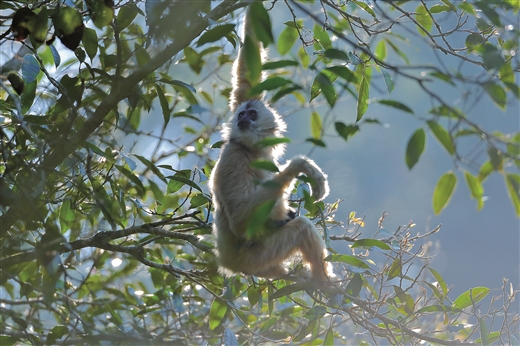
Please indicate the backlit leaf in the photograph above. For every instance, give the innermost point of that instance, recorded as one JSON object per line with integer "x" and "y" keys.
{"x": 362, "y": 101}
{"x": 215, "y": 34}
{"x": 442, "y": 136}
{"x": 443, "y": 191}
{"x": 470, "y": 297}
{"x": 316, "y": 125}
{"x": 217, "y": 312}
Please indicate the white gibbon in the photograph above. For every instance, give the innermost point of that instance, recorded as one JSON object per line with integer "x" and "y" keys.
{"x": 239, "y": 189}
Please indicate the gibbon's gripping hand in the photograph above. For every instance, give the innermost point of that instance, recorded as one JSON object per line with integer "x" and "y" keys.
{"x": 319, "y": 184}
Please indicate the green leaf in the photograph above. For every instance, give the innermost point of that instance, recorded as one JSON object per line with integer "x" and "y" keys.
{"x": 286, "y": 40}
{"x": 439, "y": 8}
{"x": 333, "y": 53}
{"x": 215, "y": 34}
{"x": 268, "y": 165}
{"x": 90, "y": 42}
{"x": 254, "y": 293}
{"x": 497, "y": 94}
{"x": 271, "y": 141}
{"x": 380, "y": 51}
{"x": 101, "y": 12}
{"x": 369, "y": 243}
{"x": 57, "y": 332}
{"x": 470, "y": 297}
{"x": 164, "y": 104}
{"x": 322, "y": 36}
{"x": 327, "y": 88}
{"x": 440, "y": 280}
{"x": 177, "y": 181}
{"x": 388, "y": 81}
{"x": 485, "y": 170}
{"x": 272, "y": 65}
{"x": 217, "y": 312}
{"x": 317, "y": 142}
{"x": 434, "y": 308}
{"x": 343, "y": 72}
{"x": 316, "y": 312}
{"x": 442, "y": 136}
{"x": 269, "y": 84}
{"x": 198, "y": 200}
{"x": 415, "y": 147}
{"x": 424, "y": 19}
{"x": 67, "y": 216}
{"x": 126, "y": 15}
{"x": 443, "y": 191}
{"x": 348, "y": 259}
{"x": 316, "y": 125}
{"x": 396, "y": 104}
{"x": 253, "y": 60}
{"x": 30, "y": 68}
{"x": 355, "y": 285}
{"x": 287, "y": 290}
{"x": 475, "y": 187}
{"x": 258, "y": 219}
{"x": 513, "y": 190}
{"x": 395, "y": 269}
{"x": 345, "y": 130}
{"x": 329, "y": 338}
{"x": 472, "y": 41}
{"x": 365, "y": 7}
{"x": 261, "y": 23}
{"x": 362, "y": 101}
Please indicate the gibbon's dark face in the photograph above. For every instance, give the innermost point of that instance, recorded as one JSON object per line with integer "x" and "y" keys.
{"x": 246, "y": 117}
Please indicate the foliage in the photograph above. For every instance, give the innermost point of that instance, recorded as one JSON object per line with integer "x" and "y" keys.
{"x": 104, "y": 241}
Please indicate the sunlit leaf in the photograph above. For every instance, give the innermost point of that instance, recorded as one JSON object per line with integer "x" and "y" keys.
{"x": 268, "y": 165}
{"x": 316, "y": 125}
{"x": 217, "y": 311}
{"x": 362, "y": 101}
{"x": 368, "y": 243}
{"x": 215, "y": 34}
{"x": 470, "y": 297}
{"x": 513, "y": 190}
{"x": 443, "y": 191}
{"x": 442, "y": 136}
{"x": 348, "y": 259}
{"x": 261, "y": 23}
{"x": 423, "y": 18}
{"x": 286, "y": 40}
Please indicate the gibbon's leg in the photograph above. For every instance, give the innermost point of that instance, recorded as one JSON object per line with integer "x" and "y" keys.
{"x": 298, "y": 235}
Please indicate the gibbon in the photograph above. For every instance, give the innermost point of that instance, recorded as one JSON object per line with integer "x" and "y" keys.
{"x": 238, "y": 189}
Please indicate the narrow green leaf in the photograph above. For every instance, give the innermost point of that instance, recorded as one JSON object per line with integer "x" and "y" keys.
{"x": 348, "y": 259}
{"x": 215, "y": 34}
{"x": 164, "y": 104}
{"x": 271, "y": 65}
{"x": 338, "y": 54}
{"x": 415, "y": 147}
{"x": 217, "y": 312}
{"x": 443, "y": 191}
{"x": 268, "y": 165}
{"x": 177, "y": 181}
{"x": 66, "y": 215}
{"x": 395, "y": 269}
{"x": 269, "y": 84}
{"x": 513, "y": 190}
{"x": 126, "y": 15}
{"x": 316, "y": 125}
{"x": 329, "y": 338}
{"x": 198, "y": 200}
{"x": 286, "y": 40}
{"x": 485, "y": 170}
{"x": 30, "y": 68}
{"x": 470, "y": 297}
{"x": 396, "y": 104}
{"x": 271, "y": 141}
{"x": 317, "y": 142}
{"x": 497, "y": 94}
{"x": 440, "y": 280}
{"x": 253, "y": 60}
{"x": 475, "y": 187}
{"x": 442, "y": 136}
{"x": 261, "y": 23}
{"x": 365, "y": 7}
{"x": 434, "y": 308}
{"x": 355, "y": 285}
{"x": 327, "y": 89}
{"x": 343, "y": 72}
{"x": 287, "y": 290}
{"x": 90, "y": 42}
{"x": 362, "y": 101}
{"x": 424, "y": 19}
{"x": 388, "y": 80}
{"x": 368, "y": 243}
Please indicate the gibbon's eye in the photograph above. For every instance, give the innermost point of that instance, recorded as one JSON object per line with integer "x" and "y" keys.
{"x": 252, "y": 114}
{"x": 241, "y": 114}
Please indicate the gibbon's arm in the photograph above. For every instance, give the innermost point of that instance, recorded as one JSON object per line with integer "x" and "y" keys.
{"x": 240, "y": 205}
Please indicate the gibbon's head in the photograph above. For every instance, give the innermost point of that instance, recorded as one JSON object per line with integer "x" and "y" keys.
{"x": 253, "y": 121}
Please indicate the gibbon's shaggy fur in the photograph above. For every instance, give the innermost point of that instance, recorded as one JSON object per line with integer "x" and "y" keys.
{"x": 237, "y": 190}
